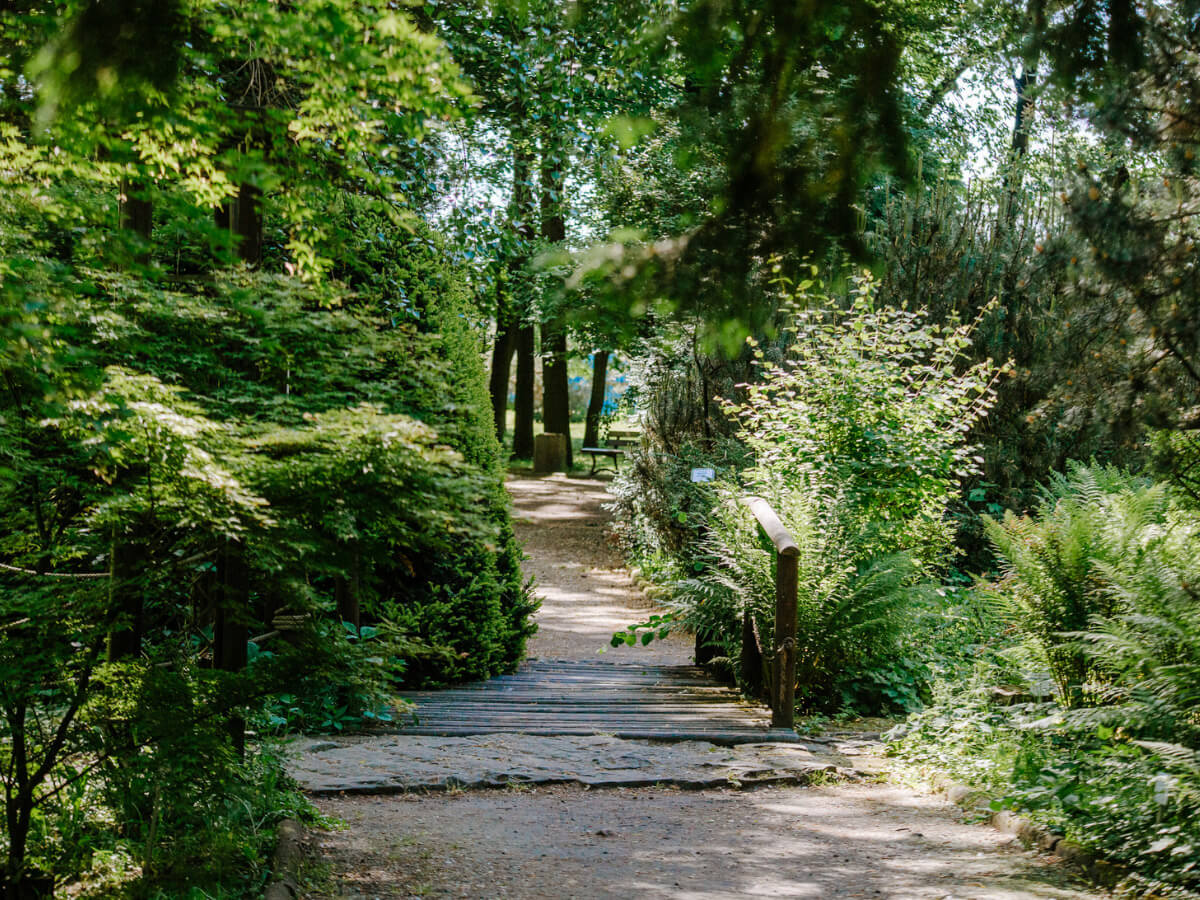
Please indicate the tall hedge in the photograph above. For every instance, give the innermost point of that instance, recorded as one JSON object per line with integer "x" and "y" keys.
{"x": 403, "y": 273}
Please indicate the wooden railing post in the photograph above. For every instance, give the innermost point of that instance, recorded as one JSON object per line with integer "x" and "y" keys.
{"x": 784, "y": 712}
{"x": 783, "y": 656}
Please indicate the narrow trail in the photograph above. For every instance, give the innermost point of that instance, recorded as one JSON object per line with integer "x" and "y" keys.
{"x": 586, "y": 593}
{"x": 554, "y": 840}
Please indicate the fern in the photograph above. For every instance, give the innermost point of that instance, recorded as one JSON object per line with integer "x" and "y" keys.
{"x": 1054, "y": 562}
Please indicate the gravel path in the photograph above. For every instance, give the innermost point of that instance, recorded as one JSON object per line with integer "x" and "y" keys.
{"x": 853, "y": 840}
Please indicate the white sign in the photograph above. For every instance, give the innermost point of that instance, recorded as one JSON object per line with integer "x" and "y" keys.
{"x": 701, "y": 475}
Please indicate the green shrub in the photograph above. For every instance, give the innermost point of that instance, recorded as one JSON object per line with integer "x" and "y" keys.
{"x": 867, "y": 413}
{"x": 253, "y": 415}
{"x": 853, "y": 608}
{"x": 855, "y": 431}
{"x": 404, "y": 276}
{"x": 660, "y": 510}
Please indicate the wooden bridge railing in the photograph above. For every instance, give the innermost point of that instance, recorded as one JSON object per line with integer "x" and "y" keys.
{"x": 780, "y": 662}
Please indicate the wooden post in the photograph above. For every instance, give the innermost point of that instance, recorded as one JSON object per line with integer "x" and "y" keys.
{"x": 786, "y": 566}
{"x": 783, "y": 656}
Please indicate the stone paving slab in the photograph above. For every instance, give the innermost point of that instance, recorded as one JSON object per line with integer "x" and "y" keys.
{"x": 402, "y": 763}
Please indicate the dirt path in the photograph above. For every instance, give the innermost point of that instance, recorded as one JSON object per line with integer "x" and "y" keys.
{"x": 837, "y": 840}
{"x": 586, "y": 594}
{"x": 853, "y": 841}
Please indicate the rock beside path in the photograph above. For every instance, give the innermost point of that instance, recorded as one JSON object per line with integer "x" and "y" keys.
{"x": 400, "y": 764}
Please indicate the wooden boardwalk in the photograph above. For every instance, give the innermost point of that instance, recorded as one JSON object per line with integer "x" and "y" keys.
{"x": 569, "y": 698}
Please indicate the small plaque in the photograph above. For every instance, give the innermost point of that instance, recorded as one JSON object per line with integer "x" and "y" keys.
{"x": 699, "y": 476}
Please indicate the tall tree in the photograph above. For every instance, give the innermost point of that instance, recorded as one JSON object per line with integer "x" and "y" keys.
{"x": 545, "y": 71}
{"x": 523, "y": 335}
{"x": 1129, "y": 70}
{"x": 556, "y": 400}
{"x": 1025, "y": 83}
{"x": 139, "y": 452}
{"x": 595, "y": 408}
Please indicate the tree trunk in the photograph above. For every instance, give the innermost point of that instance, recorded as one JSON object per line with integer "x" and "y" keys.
{"x": 241, "y": 216}
{"x": 550, "y": 452}
{"x": 137, "y": 215}
{"x": 520, "y": 334}
{"x": 523, "y": 405}
{"x": 591, "y": 430}
{"x": 705, "y": 393}
{"x": 125, "y": 602}
{"x": 502, "y": 356}
{"x": 556, "y": 397}
{"x": 230, "y": 632}
{"x": 1026, "y": 83}
{"x": 125, "y": 597}
{"x": 19, "y": 807}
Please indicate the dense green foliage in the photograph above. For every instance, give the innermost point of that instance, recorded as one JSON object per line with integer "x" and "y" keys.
{"x": 860, "y": 458}
{"x": 1098, "y": 590}
{"x": 247, "y": 470}
{"x": 1059, "y": 219}
{"x": 252, "y": 255}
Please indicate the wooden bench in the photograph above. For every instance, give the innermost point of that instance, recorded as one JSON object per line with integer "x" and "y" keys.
{"x": 618, "y": 438}
{"x": 597, "y": 453}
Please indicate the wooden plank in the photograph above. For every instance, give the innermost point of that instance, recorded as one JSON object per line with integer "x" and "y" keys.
{"x": 725, "y": 737}
{"x": 616, "y": 700}
{"x": 665, "y": 720}
{"x": 546, "y": 707}
{"x": 588, "y": 698}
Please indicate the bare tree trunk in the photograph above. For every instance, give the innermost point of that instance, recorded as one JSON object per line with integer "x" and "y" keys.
{"x": 1026, "y": 83}
{"x": 520, "y": 332}
{"x": 591, "y": 430}
{"x": 502, "y": 356}
{"x": 556, "y": 398}
{"x": 523, "y": 404}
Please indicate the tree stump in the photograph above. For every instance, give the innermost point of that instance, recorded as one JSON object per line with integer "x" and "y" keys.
{"x": 550, "y": 453}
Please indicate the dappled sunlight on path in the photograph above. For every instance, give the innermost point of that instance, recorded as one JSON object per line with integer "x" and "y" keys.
{"x": 852, "y": 841}
{"x": 586, "y": 593}
{"x": 534, "y": 837}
